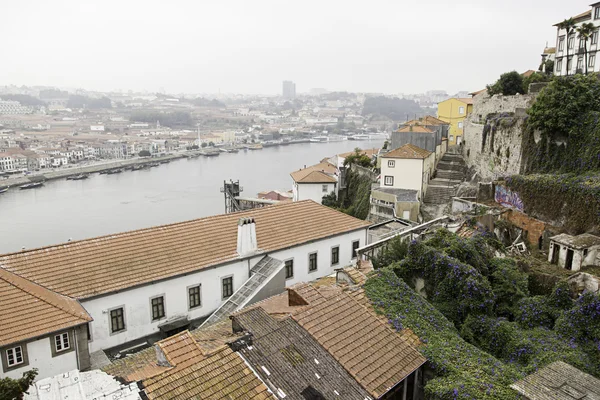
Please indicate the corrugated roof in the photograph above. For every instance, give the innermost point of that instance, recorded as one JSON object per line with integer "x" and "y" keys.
{"x": 220, "y": 375}
{"x": 90, "y": 267}
{"x": 324, "y": 167}
{"x": 30, "y": 310}
{"x": 368, "y": 349}
{"x": 408, "y": 151}
{"x": 558, "y": 381}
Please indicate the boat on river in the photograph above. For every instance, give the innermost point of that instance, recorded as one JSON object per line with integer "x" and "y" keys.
{"x": 31, "y": 185}
{"x": 256, "y": 146}
{"x": 114, "y": 171}
{"x": 4, "y": 188}
{"x": 77, "y": 177}
{"x": 212, "y": 153}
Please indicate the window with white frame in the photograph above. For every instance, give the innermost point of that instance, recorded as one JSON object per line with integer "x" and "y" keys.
{"x": 569, "y": 64}
{"x": 597, "y": 13}
{"x": 580, "y": 62}
{"x": 460, "y": 125}
{"x": 581, "y": 44}
{"x": 594, "y": 38}
{"x": 14, "y": 356}
{"x": 559, "y": 67}
{"x": 571, "y": 42}
{"x": 388, "y": 180}
{"x": 195, "y": 296}
{"x": 325, "y": 189}
{"x": 561, "y": 43}
{"x": 461, "y": 110}
{"x": 592, "y": 61}
{"x": 61, "y": 342}
{"x": 391, "y": 163}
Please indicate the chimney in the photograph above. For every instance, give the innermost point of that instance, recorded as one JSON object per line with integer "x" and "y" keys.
{"x": 246, "y": 243}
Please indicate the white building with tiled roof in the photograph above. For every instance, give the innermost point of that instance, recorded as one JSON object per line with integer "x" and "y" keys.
{"x": 314, "y": 182}
{"x": 40, "y": 329}
{"x": 407, "y": 167}
{"x": 158, "y": 280}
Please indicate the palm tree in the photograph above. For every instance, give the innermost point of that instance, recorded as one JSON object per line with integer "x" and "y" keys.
{"x": 569, "y": 26}
{"x": 585, "y": 31}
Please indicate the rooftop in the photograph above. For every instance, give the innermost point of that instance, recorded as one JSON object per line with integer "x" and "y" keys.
{"x": 367, "y": 152}
{"x": 415, "y": 128}
{"x": 325, "y": 167}
{"x": 409, "y": 151}
{"x": 91, "y": 267}
{"x": 558, "y": 381}
{"x": 401, "y": 194}
{"x": 30, "y": 310}
{"x": 583, "y": 241}
{"x": 317, "y": 177}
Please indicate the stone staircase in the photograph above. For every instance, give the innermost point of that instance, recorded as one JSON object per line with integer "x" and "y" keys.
{"x": 450, "y": 172}
{"x": 265, "y": 269}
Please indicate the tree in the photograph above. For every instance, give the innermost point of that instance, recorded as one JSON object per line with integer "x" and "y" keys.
{"x": 195, "y": 147}
{"x": 144, "y": 153}
{"x": 569, "y": 26}
{"x": 204, "y": 144}
{"x": 534, "y": 78}
{"x": 211, "y": 144}
{"x": 14, "y": 389}
{"x": 509, "y": 84}
{"x": 585, "y": 31}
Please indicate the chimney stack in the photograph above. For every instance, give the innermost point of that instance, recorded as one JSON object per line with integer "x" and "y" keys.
{"x": 246, "y": 243}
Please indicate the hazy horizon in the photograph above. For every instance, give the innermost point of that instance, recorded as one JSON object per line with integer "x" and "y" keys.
{"x": 251, "y": 47}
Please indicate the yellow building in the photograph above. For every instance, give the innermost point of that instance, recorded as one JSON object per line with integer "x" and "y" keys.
{"x": 454, "y": 112}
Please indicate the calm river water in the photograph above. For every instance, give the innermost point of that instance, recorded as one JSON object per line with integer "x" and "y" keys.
{"x": 181, "y": 190}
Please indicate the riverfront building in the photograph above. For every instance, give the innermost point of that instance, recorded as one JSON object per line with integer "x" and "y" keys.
{"x": 153, "y": 282}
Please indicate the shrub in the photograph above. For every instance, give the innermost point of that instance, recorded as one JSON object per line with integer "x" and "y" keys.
{"x": 509, "y": 84}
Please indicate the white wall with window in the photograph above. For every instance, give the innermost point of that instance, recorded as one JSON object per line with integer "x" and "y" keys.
{"x": 406, "y": 174}
{"x": 575, "y": 46}
{"x": 51, "y": 355}
{"x": 128, "y": 315}
{"x": 313, "y": 191}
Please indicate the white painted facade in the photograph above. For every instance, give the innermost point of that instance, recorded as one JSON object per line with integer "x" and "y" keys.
{"x": 407, "y": 173}
{"x": 575, "y": 46}
{"x": 312, "y": 191}
{"x": 39, "y": 355}
{"x": 136, "y": 302}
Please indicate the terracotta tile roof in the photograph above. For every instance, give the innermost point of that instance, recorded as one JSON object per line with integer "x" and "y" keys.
{"x": 137, "y": 367}
{"x": 324, "y": 167}
{"x": 366, "y": 347}
{"x": 466, "y": 100}
{"x": 219, "y": 375}
{"x": 30, "y": 310}
{"x": 429, "y": 120}
{"x": 105, "y": 264}
{"x": 415, "y": 128}
{"x": 477, "y": 92}
{"x": 408, "y": 151}
{"x": 528, "y": 73}
{"x": 368, "y": 152}
{"x": 215, "y": 336}
{"x": 317, "y": 177}
{"x": 296, "y": 363}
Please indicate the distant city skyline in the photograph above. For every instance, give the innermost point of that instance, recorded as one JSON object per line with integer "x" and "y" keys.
{"x": 238, "y": 47}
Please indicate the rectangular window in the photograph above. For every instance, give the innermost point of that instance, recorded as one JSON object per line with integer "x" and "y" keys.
{"x": 335, "y": 255}
{"x": 325, "y": 188}
{"x": 388, "y": 180}
{"x": 117, "y": 320}
{"x": 597, "y": 13}
{"x": 461, "y": 110}
{"x": 391, "y": 163}
{"x": 581, "y": 44}
{"x": 460, "y": 125}
{"x": 312, "y": 262}
{"x": 561, "y": 43}
{"x": 571, "y": 42}
{"x": 569, "y": 64}
{"x": 451, "y": 139}
{"x": 592, "y": 61}
{"x": 14, "y": 356}
{"x": 580, "y": 62}
{"x": 61, "y": 342}
{"x": 594, "y": 39}
{"x": 559, "y": 67}
{"x": 227, "y": 287}
{"x": 194, "y": 296}
{"x": 355, "y": 246}
{"x": 289, "y": 269}
{"x": 158, "y": 308}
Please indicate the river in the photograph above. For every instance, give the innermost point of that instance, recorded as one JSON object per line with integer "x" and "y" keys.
{"x": 181, "y": 190}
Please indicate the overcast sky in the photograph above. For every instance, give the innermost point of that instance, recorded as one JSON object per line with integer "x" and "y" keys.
{"x": 250, "y": 46}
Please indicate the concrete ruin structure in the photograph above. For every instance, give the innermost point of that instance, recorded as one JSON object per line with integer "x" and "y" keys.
{"x": 573, "y": 252}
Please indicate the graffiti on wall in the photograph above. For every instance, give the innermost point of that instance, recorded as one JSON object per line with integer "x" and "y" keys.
{"x": 508, "y": 198}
